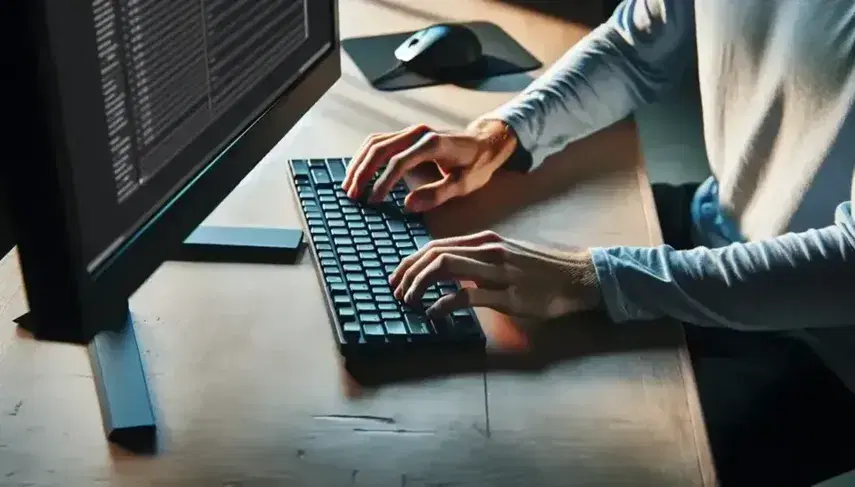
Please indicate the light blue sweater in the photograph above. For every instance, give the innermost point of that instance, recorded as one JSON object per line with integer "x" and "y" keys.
{"x": 774, "y": 225}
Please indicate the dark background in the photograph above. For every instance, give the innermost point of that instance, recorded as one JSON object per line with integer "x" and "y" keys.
{"x": 6, "y": 239}
{"x": 585, "y": 12}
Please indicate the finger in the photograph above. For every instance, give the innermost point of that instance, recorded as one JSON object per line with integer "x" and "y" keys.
{"x": 378, "y": 155}
{"x": 472, "y": 240}
{"x": 486, "y": 254}
{"x": 453, "y": 267}
{"x": 429, "y": 147}
{"x": 470, "y": 297}
{"x": 360, "y": 155}
{"x": 429, "y": 196}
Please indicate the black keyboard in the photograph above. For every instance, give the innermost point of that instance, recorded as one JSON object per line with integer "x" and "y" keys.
{"x": 356, "y": 247}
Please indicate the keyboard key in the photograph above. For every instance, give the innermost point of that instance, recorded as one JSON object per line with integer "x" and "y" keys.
{"x": 346, "y": 313}
{"x": 363, "y": 296}
{"x": 342, "y": 241}
{"x": 369, "y": 317}
{"x": 348, "y": 258}
{"x": 390, "y": 315}
{"x": 373, "y": 332}
{"x": 396, "y": 328}
{"x": 338, "y": 288}
{"x": 341, "y": 299}
{"x": 329, "y": 262}
{"x": 396, "y": 226}
{"x": 390, "y": 259}
{"x": 352, "y": 331}
{"x": 333, "y": 279}
{"x": 337, "y": 170}
{"x": 355, "y": 277}
{"x": 326, "y": 255}
{"x": 379, "y": 284}
{"x": 330, "y": 270}
{"x": 388, "y": 306}
{"x": 369, "y": 264}
{"x": 417, "y": 324}
{"x": 421, "y": 241}
{"x": 357, "y": 287}
{"x": 339, "y": 232}
{"x": 300, "y": 168}
{"x": 363, "y": 306}
{"x": 351, "y": 267}
{"x": 321, "y": 177}
{"x": 375, "y": 273}
{"x": 345, "y": 250}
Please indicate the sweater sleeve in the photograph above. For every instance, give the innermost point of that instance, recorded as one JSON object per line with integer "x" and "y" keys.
{"x": 792, "y": 281}
{"x": 627, "y": 61}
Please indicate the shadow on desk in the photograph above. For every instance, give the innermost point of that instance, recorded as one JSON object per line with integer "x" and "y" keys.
{"x": 514, "y": 347}
{"x": 586, "y": 12}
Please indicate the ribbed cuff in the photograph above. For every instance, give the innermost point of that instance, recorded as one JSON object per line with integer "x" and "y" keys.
{"x": 613, "y": 300}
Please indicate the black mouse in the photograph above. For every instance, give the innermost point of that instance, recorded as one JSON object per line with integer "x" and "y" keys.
{"x": 441, "y": 48}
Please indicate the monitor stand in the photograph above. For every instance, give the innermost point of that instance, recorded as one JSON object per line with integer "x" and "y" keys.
{"x": 127, "y": 410}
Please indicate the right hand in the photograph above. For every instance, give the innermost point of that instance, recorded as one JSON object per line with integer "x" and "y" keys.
{"x": 466, "y": 160}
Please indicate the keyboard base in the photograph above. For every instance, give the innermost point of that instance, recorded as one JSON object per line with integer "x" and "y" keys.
{"x": 354, "y": 247}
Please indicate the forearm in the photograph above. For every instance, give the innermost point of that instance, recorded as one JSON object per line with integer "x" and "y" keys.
{"x": 620, "y": 65}
{"x": 792, "y": 281}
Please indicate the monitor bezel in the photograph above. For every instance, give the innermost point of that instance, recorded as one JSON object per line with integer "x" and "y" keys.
{"x": 68, "y": 301}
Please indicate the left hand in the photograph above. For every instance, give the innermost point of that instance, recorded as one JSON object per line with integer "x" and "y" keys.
{"x": 512, "y": 277}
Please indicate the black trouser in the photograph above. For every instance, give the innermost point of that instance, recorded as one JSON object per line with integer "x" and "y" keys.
{"x": 775, "y": 414}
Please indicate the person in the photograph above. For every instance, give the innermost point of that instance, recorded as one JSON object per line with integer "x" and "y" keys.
{"x": 762, "y": 270}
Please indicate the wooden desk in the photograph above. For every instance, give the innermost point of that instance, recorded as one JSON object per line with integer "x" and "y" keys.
{"x": 246, "y": 381}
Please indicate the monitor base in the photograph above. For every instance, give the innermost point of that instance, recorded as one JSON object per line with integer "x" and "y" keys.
{"x": 120, "y": 381}
{"x": 127, "y": 410}
{"x": 245, "y": 245}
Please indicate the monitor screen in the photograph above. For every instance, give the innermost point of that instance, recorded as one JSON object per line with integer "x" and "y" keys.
{"x": 151, "y": 91}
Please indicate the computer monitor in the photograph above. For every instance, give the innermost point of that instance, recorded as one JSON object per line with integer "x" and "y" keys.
{"x": 129, "y": 121}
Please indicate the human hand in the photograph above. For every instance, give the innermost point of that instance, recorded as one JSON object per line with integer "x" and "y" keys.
{"x": 512, "y": 277}
{"x": 466, "y": 160}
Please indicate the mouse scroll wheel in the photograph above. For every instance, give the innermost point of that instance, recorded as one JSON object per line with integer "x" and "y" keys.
{"x": 413, "y": 42}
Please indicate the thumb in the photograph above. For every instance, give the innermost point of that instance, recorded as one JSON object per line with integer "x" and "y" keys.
{"x": 433, "y": 194}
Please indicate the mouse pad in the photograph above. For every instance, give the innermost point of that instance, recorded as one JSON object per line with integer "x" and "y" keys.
{"x": 375, "y": 58}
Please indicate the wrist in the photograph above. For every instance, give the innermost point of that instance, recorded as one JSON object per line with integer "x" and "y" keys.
{"x": 583, "y": 282}
{"x": 498, "y": 138}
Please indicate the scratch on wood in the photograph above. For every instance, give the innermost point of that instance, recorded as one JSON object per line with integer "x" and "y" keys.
{"x": 16, "y": 409}
{"x": 354, "y": 417}
{"x": 394, "y": 432}
{"x": 484, "y": 433}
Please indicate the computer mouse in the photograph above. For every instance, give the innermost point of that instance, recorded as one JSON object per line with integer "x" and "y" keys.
{"x": 440, "y": 48}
